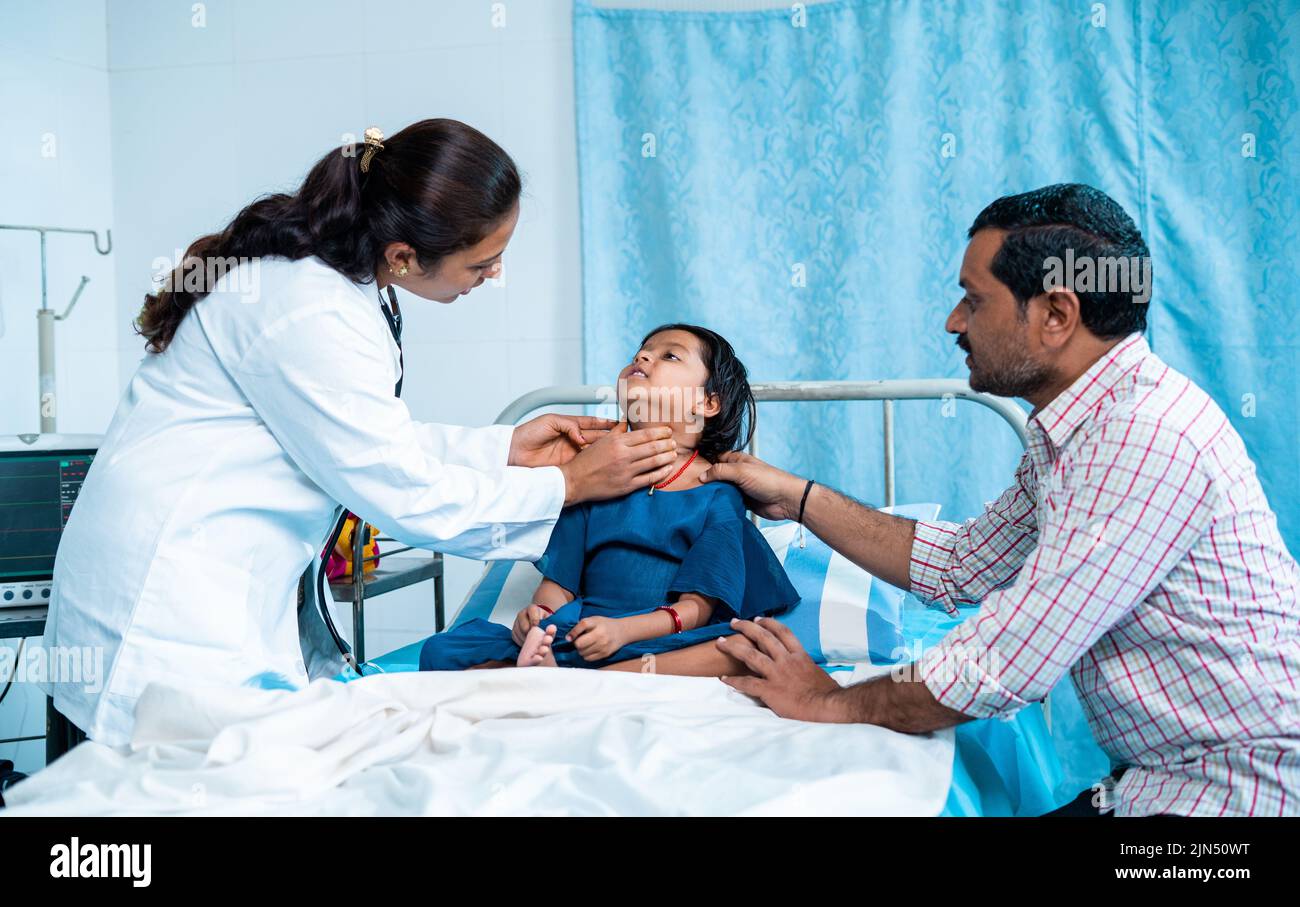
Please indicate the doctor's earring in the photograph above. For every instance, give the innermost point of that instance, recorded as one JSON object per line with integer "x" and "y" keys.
{"x": 401, "y": 273}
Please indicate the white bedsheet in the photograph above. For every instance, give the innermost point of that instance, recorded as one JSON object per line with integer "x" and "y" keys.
{"x": 498, "y": 742}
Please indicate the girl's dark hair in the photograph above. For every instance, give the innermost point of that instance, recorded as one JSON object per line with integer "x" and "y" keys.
{"x": 733, "y": 427}
{"x": 439, "y": 185}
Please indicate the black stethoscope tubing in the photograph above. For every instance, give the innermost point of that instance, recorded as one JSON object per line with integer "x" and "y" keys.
{"x": 393, "y": 315}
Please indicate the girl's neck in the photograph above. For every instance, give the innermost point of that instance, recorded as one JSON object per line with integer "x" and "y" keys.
{"x": 690, "y": 477}
{"x": 685, "y": 436}
{"x": 686, "y": 440}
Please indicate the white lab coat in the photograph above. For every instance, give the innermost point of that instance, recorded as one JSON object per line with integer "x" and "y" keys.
{"x": 217, "y": 481}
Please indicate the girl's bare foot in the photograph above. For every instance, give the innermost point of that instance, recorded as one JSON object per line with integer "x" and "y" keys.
{"x": 536, "y": 650}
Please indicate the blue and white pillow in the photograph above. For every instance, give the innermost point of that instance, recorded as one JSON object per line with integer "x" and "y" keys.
{"x": 844, "y": 613}
{"x": 500, "y": 593}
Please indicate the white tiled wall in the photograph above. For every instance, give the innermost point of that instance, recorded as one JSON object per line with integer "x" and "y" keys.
{"x": 168, "y": 125}
{"x": 55, "y": 170}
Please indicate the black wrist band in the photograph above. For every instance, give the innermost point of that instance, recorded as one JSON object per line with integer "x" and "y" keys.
{"x": 802, "y": 503}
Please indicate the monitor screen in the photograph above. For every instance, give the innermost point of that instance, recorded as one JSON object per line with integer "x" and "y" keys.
{"x": 37, "y": 491}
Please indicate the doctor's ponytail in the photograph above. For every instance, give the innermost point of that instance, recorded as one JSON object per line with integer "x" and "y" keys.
{"x": 438, "y": 185}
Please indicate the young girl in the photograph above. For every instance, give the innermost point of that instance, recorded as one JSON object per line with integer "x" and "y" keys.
{"x": 657, "y": 570}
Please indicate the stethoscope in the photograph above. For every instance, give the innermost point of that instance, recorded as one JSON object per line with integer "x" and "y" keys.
{"x": 393, "y": 315}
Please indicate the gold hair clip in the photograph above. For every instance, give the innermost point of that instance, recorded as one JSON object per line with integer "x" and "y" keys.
{"x": 374, "y": 142}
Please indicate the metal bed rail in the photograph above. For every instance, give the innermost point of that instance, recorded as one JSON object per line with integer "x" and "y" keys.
{"x": 887, "y": 392}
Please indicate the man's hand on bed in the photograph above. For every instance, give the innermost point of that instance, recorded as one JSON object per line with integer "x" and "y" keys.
{"x": 786, "y": 679}
{"x": 553, "y": 439}
{"x": 791, "y": 684}
{"x": 772, "y": 493}
{"x": 597, "y": 638}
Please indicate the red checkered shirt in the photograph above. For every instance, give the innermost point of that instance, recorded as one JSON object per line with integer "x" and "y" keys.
{"x": 1137, "y": 550}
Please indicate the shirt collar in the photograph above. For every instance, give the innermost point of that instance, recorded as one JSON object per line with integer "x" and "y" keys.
{"x": 1067, "y": 411}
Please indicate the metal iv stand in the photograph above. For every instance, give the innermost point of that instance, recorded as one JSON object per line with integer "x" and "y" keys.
{"x": 45, "y": 318}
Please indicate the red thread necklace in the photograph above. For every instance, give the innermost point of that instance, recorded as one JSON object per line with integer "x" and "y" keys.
{"x": 674, "y": 476}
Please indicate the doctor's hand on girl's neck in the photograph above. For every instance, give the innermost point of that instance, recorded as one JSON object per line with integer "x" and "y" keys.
{"x": 455, "y": 274}
{"x": 664, "y": 384}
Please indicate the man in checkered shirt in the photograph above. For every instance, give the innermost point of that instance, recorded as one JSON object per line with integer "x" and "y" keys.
{"x": 1135, "y": 548}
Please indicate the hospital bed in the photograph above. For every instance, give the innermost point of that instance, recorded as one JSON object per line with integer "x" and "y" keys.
{"x": 1030, "y": 764}
{"x": 539, "y": 742}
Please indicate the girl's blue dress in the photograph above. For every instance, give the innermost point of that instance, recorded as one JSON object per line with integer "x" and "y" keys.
{"x": 628, "y": 556}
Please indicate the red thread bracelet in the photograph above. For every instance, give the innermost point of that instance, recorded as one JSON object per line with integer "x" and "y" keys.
{"x": 677, "y": 621}
{"x": 544, "y": 608}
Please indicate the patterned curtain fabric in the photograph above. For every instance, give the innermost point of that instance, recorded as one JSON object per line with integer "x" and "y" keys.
{"x": 802, "y": 179}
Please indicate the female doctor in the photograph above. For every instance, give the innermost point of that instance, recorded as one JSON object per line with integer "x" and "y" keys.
{"x": 269, "y": 395}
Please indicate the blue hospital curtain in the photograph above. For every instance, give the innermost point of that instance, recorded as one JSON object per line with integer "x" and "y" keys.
{"x": 801, "y": 180}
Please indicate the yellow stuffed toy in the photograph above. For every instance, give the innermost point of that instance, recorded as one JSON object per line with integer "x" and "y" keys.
{"x": 340, "y": 563}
